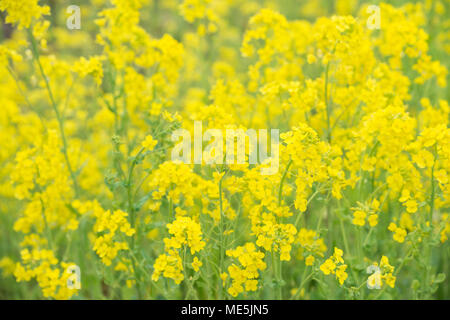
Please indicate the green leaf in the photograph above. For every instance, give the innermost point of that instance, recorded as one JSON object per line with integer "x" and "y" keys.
{"x": 440, "y": 278}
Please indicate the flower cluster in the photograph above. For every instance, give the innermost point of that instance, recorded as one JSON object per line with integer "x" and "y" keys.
{"x": 23, "y": 13}
{"x": 109, "y": 226}
{"x": 185, "y": 233}
{"x": 51, "y": 275}
{"x": 382, "y": 275}
{"x": 245, "y": 275}
{"x": 359, "y": 140}
{"x": 311, "y": 246}
{"x": 369, "y": 211}
{"x": 335, "y": 265}
{"x": 399, "y": 232}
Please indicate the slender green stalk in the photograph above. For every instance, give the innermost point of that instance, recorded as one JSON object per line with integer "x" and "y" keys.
{"x": 273, "y": 267}
{"x": 221, "y": 236}
{"x": 280, "y": 279}
{"x": 132, "y": 212}
{"x": 129, "y": 184}
{"x": 59, "y": 118}
{"x": 327, "y": 104}
{"x": 428, "y": 251}
{"x": 432, "y": 196}
{"x": 302, "y": 283}
{"x": 46, "y": 226}
{"x": 347, "y": 248}
{"x": 280, "y": 191}
{"x": 191, "y": 292}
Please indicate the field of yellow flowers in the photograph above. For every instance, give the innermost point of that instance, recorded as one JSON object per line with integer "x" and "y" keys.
{"x": 93, "y": 205}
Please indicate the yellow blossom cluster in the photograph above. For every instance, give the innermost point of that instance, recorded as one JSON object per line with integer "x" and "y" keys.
{"x": 335, "y": 265}
{"x": 382, "y": 275}
{"x": 370, "y": 211}
{"x": 23, "y": 13}
{"x": 354, "y": 118}
{"x": 399, "y": 232}
{"x": 38, "y": 263}
{"x": 311, "y": 246}
{"x": 185, "y": 233}
{"x": 245, "y": 276}
{"x": 110, "y": 225}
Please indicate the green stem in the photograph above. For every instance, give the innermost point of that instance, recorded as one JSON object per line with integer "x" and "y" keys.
{"x": 327, "y": 102}
{"x": 347, "y": 248}
{"x": 280, "y": 191}
{"x": 432, "y": 196}
{"x": 221, "y": 236}
{"x": 130, "y": 189}
{"x": 55, "y": 108}
{"x": 273, "y": 265}
{"x": 303, "y": 282}
{"x": 46, "y": 226}
{"x": 132, "y": 213}
{"x": 280, "y": 279}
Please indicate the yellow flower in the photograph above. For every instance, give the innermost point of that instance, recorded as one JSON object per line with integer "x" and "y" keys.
{"x": 341, "y": 275}
{"x": 224, "y": 277}
{"x": 196, "y": 264}
{"x": 399, "y": 233}
{"x": 250, "y": 261}
{"x": 383, "y": 274}
{"x": 390, "y": 280}
{"x": 109, "y": 225}
{"x": 328, "y": 267}
{"x": 337, "y": 255}
{"x": 149, "y": 143}
{"x": 121, "y": 267}
{"x": 91, "y": 66}
{"x": 23, "y": 12}
{"x": 335, "y": 265}
{"x": 411, "y": 206}
{"x": 373, "y": 220}
{"x": 441, "y": 176}
{"x": 359, "y": 218}
{"x": 309, "y": 260}
{"x": 311, "y": 58}
{"x": 251, "y": 285}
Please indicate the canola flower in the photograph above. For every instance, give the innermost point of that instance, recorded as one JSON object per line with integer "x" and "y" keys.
{"x": 87, "y": 181}
{"x": 244, "y": 277}
{"x": 335, "y": 265}
{"x": 383, "y": 275}
{"x": 186, "y": 233}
